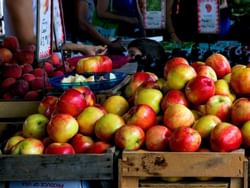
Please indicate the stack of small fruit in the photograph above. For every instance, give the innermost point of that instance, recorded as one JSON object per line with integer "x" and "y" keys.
{"x": 194, "y": 107}
{"x": 21, "y": 76}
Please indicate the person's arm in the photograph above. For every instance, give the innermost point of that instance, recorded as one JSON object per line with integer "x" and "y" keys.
{"x": 102, "y": 9}
{"x": 141, "y": 8}
{"x": 22, "y": 20}
{"x": 169, "y": 23}
{"x": 86, "y": 49}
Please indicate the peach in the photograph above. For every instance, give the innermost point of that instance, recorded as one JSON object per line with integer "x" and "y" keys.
{"x": 28, "y": 77}
{"x": 5, "y": 55}
{"x": 48, "y": 67}
{"x": 32, "y": 95}
{"x": 25, "y": 56}
{"x": 37, "y": 83}
{"x": 39, "y": 72}
{"x": 7, "y": 96}
{"x": 55, "y": 60}
{"x": 7, "y": 83}
{"x": 12, "y": 70}
{"x": 58, "y": 73}
{"x": 27, "y": 68}
{"x": 20, "y": 88}
{"x": 11, "y": 42}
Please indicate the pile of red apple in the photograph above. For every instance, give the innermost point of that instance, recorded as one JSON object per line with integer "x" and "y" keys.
{"x": 197, "y": 106}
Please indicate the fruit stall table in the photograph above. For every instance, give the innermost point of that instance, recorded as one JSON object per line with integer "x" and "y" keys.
{"x": 136, "y": 165}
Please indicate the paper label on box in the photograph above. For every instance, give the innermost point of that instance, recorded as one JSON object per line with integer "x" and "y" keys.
{"x": 45, "y": 184}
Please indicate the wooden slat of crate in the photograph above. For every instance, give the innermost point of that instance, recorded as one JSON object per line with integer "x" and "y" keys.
{"x": 57, "y": 167}
{"x": 180, "y": 164}
{"x": 184, "y": 185}
{"x": 17, "y": 109}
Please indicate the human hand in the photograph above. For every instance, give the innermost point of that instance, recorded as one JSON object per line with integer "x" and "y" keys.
{"x": 131, "y": 20}
{"x": 116, "y": 46}
{"x": 95, "y": 50}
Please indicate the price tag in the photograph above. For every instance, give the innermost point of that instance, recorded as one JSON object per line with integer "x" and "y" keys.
{"x": 208, "y": 16}
{"x": 58, "y": 24}
{"x": 44, "y": 30}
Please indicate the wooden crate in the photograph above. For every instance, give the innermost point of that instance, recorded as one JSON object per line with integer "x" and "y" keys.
{"x": 230, "y": 165}
{"x": 57, "y": 167}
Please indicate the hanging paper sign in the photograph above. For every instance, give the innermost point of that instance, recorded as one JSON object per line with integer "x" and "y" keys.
{"x": 155, "y": 14}
{"x": 44, "y": 29}
{"x": 2, "y": 32}
{"x": 58, "y": 24}
{"x": 208, "y": 16}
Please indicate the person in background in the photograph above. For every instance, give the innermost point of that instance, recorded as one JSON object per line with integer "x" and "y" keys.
{"x": 127, "y": 13}
{"x": 149, "y": 54}
{"x": 20, "y": 21}
{"x": 78, "y": 17}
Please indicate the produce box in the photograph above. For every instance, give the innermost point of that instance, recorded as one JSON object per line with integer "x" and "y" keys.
{"x": 17, "y": 109}
{"x": 57, "y": 167}
{"x": 232, "y": 167}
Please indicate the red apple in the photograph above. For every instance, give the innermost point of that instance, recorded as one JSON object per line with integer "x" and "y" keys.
{"x": 35, "y": 125}
{"x": 197, "y": 64}
{"x": 205, "y": 70}
{"x": 219, "y": 63}
{"x": 141, "y": 115}
{"x": 178, "y": 115}
{"x": 225, "y": 137}
{"x": 185, "y": 139}
{"x": 172, "y": 63}
{"x": 88, "y": 94}
{"x": 106, "y": 63}
{"x": 99, "y": 147}
{"x": 240, "y": 81}
{"x": 71, "y": 102}
{"x": 107, "y": 125}
{"x": 47, "y": 105}
{"x": 240, "y": 112}
{"x": 62, "y": 127}
{"x": 179, "y": 75}
{"x": 157, "y": 138}
{"x": 87, "y": 119}
{"x": 11, "y": 142}
{"x": 81, "y": 143}
{"x": 59, "y": 148}
{"x": 220, "y": 106}
{"x": 129, "y": 137}
{"x": 28, "y": 146}
{"x": 173, "y": 97}
{"x": 199, "y": 90}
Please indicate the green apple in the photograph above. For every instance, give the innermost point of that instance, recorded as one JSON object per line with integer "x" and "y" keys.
{"x": 11, "y": 142}
{"x": 28, "y": 146}
{"x": 34, "y": 126}
{"x": 149, "y": 96}
{"x": 222, "y": 88}
{"x": 116, "y": 104}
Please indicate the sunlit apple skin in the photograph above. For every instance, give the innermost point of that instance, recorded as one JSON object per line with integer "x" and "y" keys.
{"x": 240, "y": 81}
{"x": 173, "y": 97}
{"x": 81, "y": 143}
{"x": 225, "y": 137}
{"x": 199, "y": 90}
{"x": 88, "y": 94}
{"x": 59, "y": 148}
{"x": 219, "y": 63}
{"x": 178, "y": 115}
{"x": 240, "y": 111}
{"x": 149, "y": 96}
{"x": 185, "y": 139}
{"x": 129, "y": 137}
{"x": 28, "y": 146}
{"x": 222, "y": 88}
{"x": 62, "y": 127}
{"x": 142, "y": 115}
{"x": 179, "y": 75}
{"x": 137, "y": 80}
{"x": 35, "y": 126}
{"x": 11, "y": 142}
{"x": 245, "y": 130}
{"x": 99, "y": 147}
{"x": 71, "y": 102}
{"x": 107, "y": 125}
{"x": 205, "y": 124}
{"x": 220, "y": 106}
{"x": 197, "y": 64}
{"x": 116, "y": 104}
{"x": 47, "y": 105}
{"x": 207, "y": 71}
{"x": 87, "y": 119}
{"x": 172, "y": 63}
{"x": 157, "y": 138}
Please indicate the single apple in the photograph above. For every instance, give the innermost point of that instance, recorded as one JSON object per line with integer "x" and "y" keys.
{"x": 62, "y": 127}
{"x": 47, "y": 105}
{"x": 107, "y": 125}
{"x": 172, "y": 63}
{"x": 149, "y": 96}
{"x": 88, "y": 94}
{"x": 81, "y": 143}
{"x": 205, "y": 124}
{"x": 222, "y": 87}
{"x": 157, "y": 138}
{"x": 129, "y": 137}
{"x": 185, "y": 139}
{"x": 28, "y": 146}
{"x": 205, "y": 70}
{"x": 197, "y": 64}
{"x": 99, "y": 147}
{"x": 219, "y": 106}
{"x": 59, "y": 148}
{"x": 35, "y": 125}
{"x": 219, "y": 63}
{"x": 240, "y": 111}
{"x": 11, "y": 142}
{"x": 141, "y": 115}
{"x": 173, "y": 97}
{"x": 225, "y": 137}
{"x": 199, "y": 90}
{"x": 87, "y": 119}
{"x": 116, "y": 104}
{"x": 178, "y": 115}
